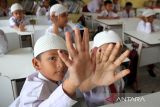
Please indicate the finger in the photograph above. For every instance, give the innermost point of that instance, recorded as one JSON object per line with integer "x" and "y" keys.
{"x": 115, "y": 52}
{"x": 69, "y": 44}
{"x": 86, "y": 39}
{"x": 98, "y": 55}
{"x": 121, "y": 58}
{"x": 107, "y": 53}
{"x": 121, "y": 74}
{"x": 78, "y": 40}
{"x": 64, "y": 58}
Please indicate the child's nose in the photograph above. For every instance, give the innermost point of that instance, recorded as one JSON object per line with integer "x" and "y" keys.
{"x": 60, "y": 63}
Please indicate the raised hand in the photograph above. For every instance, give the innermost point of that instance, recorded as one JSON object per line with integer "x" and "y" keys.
{"x": 80, "y": 63}
{"x": 107, "y": 64}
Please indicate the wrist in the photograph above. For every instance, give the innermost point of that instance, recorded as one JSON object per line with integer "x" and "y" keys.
{"x": 69, "y": 88}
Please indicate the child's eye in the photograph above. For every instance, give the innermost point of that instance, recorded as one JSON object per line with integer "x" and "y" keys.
{"x": 52, "y": 58}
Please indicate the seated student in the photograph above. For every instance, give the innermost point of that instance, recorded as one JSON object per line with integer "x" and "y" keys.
{"x": 3, "y": 43}
{"x": 108, "y": 12}
{"x": 147, "y": 25}
{"x": 4, "y": 9}
{"x": 94, "y": 6}
{"x": 59, "y": 18}
{"x": 128, "y": 12}
{"x": 105, "y": 94}
{"x": 116, "y": 6}
{"x": 45, "y": 88}
{"x": 43, "y": 10}
{"x": 18, "y": 20}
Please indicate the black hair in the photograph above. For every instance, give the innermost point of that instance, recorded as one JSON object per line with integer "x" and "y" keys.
{"x": 128, "y": 4}
{"x": 107, "y": 2}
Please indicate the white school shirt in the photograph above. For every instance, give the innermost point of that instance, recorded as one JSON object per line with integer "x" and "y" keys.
{"x": 97, "y": 96}
{"x": 124, "y": 14}
{"x": 94, "y": 5}
{"x": 42, "y": 11}
{"x": 105, "y": 13}
{"x": 62, "y": 32}
{"x": 147, "y": 27}
{"x": 14, "y": 22}
{"x": 38, "y": 91}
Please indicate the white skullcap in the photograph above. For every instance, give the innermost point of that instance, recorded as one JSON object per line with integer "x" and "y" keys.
{"x": 16, "y": 6}
{"x": 148, "y": 12}
{"x": 49, "y": 42}
{"x": 57, "y": 9}
{"x": 106, "y": 37}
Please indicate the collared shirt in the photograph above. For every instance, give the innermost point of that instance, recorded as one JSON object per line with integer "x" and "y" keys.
{"x": 38, "y": 91}
{"x": 15, "y": 22}
{"x": 147, "y": 27}
{"x": 101, "y": 95}
{"x": 61, "y": 31}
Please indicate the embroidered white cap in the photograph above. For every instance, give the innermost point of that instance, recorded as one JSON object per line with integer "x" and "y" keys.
{"x": 49, "y": 42}
{"x": 16, "y": 6}
{"x": 148, "y": 12}
{"x": 57, "y": 9}
{"x": 105, "y": 37}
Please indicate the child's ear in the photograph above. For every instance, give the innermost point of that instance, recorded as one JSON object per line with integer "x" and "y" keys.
{"x": 36, "y": 64}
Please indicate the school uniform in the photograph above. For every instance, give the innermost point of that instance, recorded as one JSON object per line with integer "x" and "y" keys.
{"x": 105, "y": 13}
{"x": 38, "y": 91}
{"x": 42, "y": 11}
{"x": 62, "y": 32}
{"x": 147, "y": 27}
{"x": 3, "y": 43}
{"x": 14, "y": 22}
{"x": 125, "y": 14}
{"x": 104, "y": 95}
{"x": 94, "y": 5}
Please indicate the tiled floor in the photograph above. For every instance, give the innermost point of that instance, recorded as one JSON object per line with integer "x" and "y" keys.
{"x": 147, "y": 83}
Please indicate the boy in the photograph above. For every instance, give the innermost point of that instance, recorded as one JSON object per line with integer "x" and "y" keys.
{"x": 45, "y": 87}
{"x": 59, "y": 18}
{"x": 128, "y": 12}
{"x": 108, "y": 13}
{"x": 44, "y": 9}
{"x": 18, "y": 21}
{"x": 146, "y": 24}
{"x": 106, "y": 94}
